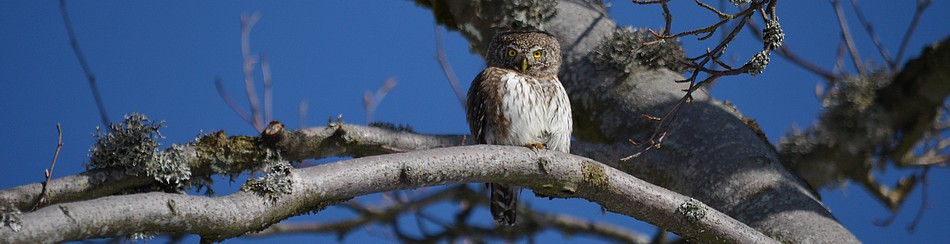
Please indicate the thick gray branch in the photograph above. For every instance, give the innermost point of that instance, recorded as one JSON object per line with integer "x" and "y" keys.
{"x": 709, "y": 153}
{"x": 880, "y": 118}
{"x": 547, "y": 172}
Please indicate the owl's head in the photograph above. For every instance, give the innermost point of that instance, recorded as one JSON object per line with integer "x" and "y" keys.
{"x": 530, "y": 53}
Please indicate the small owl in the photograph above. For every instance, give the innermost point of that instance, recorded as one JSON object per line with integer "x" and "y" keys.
{"x": 518, "y": 100}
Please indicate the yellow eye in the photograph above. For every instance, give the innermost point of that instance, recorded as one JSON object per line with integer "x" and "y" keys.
{"x": 537, "y": 54}
{"x": 512, "y": 52}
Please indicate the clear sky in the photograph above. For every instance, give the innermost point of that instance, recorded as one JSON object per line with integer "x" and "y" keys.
{"x": 161, "y": 58}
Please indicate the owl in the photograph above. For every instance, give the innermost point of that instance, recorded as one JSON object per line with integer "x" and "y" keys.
{"x": 518, "y": 100}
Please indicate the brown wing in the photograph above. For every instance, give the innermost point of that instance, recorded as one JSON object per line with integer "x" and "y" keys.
{"x": 482, "y": 104}
{"x": 484, "y": 116}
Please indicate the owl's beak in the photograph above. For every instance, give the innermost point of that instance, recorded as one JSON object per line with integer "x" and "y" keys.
{"x": 524, "y": 64}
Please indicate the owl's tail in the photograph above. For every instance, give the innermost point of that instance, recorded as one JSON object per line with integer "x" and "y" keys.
{"x": 504, "y": 203}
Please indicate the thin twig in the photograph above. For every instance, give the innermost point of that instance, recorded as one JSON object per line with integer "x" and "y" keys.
{"x": 372, "y": 100}
{"x": 49, "y": 173}
{"x": 787, "y": 52}
{"x": 230, "y": 101}
{"x": 268, "y": 89}
{"x": 457, "y": 227}
{"x": 103, "y": 115}
{"x": 302, "y": 114}
{"x": 924, "y": 204}
{"x": 667, "y": 17}
{"x": 446, "y": 67}
{"x": 666, "y": 122}
{"x": 846, "y": 35}
{"x": 921, "y": 6}
{"x": 874, "y": 37}
{"x": 247, "y": 23}
{"x": 839, "y": 60}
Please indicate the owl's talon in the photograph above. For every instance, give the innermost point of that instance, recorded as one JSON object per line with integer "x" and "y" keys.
{"x": 535, "y": 146}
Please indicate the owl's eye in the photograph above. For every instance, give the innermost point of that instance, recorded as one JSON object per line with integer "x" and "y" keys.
{"x": 537, "y": 54}
{"x": 512, "y": 52}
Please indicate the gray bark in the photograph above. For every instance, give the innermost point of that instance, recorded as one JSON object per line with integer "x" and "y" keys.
{"x": 215, "y": 218}
{"x": 710, "y": 153}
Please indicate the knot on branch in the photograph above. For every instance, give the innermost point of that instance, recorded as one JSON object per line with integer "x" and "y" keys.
{"x": 277, "y": 182}
{"x": 133, "y": 145}
{"x": 628, "y": 48}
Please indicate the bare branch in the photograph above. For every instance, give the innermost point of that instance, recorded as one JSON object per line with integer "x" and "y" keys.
{"x": 366, "y": 216}
{"x": 446, "y": 67}
{"x": 786, "y": 51}
{"x": 268, "y": 89}
{"x": 83, "y": 186}
{"x": 302, "y": 114}
{"x": 231, "y": 103}
{"x": 891, "y": 65}
{"x": 532, "y": 223}
{"x": 372, "y": 100}
{"x": 247, "y": 23}
{"x": 846, "y": 36}
{"x": 919, "y": 11}
{"x": 103, "y": 115}
{"x": 49, "y": 172}
{"x": 547, "y": 172}
{"x": 924, "y": 201}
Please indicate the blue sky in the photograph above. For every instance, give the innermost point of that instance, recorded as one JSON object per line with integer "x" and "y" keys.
{"x": 161, "y": 58}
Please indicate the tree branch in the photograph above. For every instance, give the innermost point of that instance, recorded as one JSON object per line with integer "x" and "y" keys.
{"x": 73, "y": 41}
{"x": 709, "y": 153}
{"x": 548, "y": 173}
{"x": 83, "y": 186}
{"x": 898, "y": 115}
{"x": 532, "y": 223}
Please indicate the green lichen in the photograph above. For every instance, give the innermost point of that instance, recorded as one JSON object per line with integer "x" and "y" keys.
{"x": 10, "y": 215}
{"x": 277, "y": 182}
{"x": 233, "y": 155}
{"x": 568, "y": 189}
{"x": 170, "y": 167}
{"x": 144, "y": 236}
{"x": 758, "y": 62}
{"x": 692, "y": 210}
{"x": 521, "y": 15}
{"x": 738, "y": 2}
{"x": 594, "y": 174}
{"x": 391, "y": 126}
{"x": 133, "y": 145}
{"x": 772, "y": 35}
{"x": 129, "y": 144}
{"x": 628, "y": 48}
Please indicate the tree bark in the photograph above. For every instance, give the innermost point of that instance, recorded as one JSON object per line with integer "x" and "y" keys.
{"x": 709, "y": 154}
{"x": 215, "y": 218}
